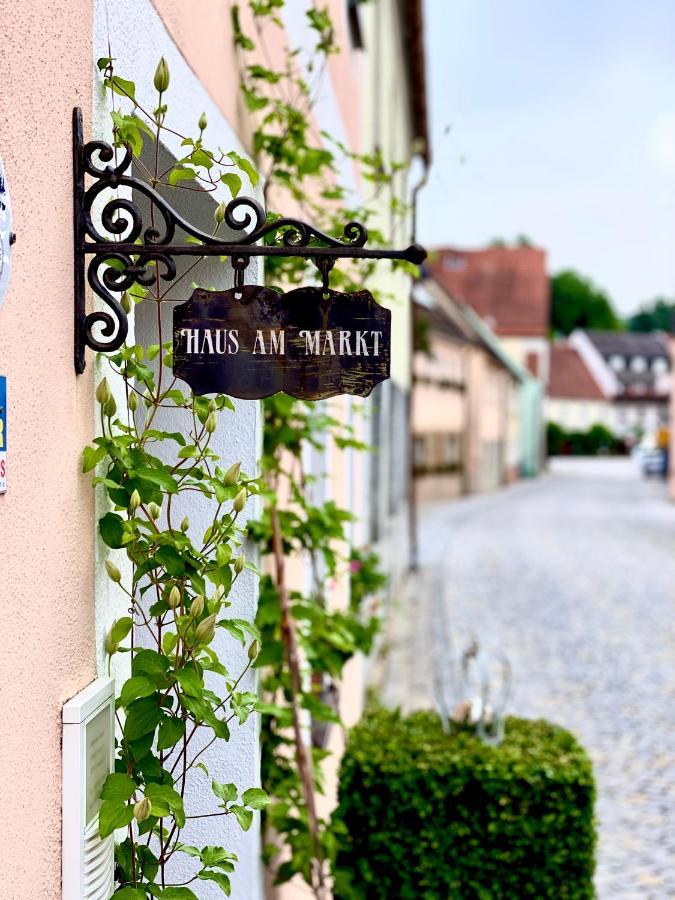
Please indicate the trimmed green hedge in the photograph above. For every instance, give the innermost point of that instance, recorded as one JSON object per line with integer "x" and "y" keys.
{"x": 430, "y": 816}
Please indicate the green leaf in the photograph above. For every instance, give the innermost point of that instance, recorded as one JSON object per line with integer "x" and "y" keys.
{"x": 172, "y": 561}
{"x": 190, "y": 682}
{"x": 150, "y": 663}
{"x": 135, "y": 688}
{"x": 130, "y": 893}
{"x": 218, "y": 856}
{"x": 171, "y": 730}
{"x": 176, "y": 893}
{"x": 110, "y": 527}
{"x": 113, "y": 815}
{"x": 118, "y": 786}
{"x": 164, "y": 799}
{"x": 246, "y": 166}
{"x": 256, "y": 798}
{"x": 226, "y": 792}
{"x": 220, "y": 879}
{"x": 122, "y": 86}
{"x": 121, "y": 629}
{"x": 232, "y": 181}
{"x": 166, "y": 481}
{"x": 91, "y": 457}
{"x": 200, "y": 157}
{"x": 244, "y": 816}
{"x": 181, "y": 173}
{"x": 143, "y": 716}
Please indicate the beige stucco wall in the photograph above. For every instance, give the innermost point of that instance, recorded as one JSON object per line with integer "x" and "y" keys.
{"x": 46, "y": 517}
{"x": 488, "y": 438}
{"x": 579, "y": 415}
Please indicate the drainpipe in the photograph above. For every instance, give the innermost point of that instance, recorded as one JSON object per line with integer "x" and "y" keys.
{"x": 413, "y": 563}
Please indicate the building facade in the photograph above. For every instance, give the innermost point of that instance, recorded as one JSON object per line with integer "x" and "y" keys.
{"x": 633, "y": 371}
{"x": 575, "y": 400}
{"x": 509, "y": 289}
{"x": 468, "y": 420}
{"x": 53, "y": 581}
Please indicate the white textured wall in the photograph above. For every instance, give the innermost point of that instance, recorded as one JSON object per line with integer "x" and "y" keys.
{"x": 137, "y": 39}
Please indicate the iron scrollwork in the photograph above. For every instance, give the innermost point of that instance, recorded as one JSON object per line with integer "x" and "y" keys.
{"x": 118, "y": 249}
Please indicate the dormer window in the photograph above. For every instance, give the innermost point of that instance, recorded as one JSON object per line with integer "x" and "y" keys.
{"x": 659, "y": 365}
{"x": 617, "y": 362}
{"x": 638, "y": 364}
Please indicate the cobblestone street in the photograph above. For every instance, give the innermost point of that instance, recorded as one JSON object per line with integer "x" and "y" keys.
{"x": 572, "y": 576}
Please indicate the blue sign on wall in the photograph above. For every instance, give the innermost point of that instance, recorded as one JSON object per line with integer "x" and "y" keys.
{"x": 3, "y": 434}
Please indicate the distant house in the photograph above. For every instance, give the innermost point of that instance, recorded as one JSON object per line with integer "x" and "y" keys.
{"x": 633, "y": 372}
{"x": 508, "y": 287}
{"x": 575, "y": 400}
{"x": 467, "y": 401}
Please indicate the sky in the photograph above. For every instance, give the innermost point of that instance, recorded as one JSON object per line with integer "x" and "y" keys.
{"x": 556, "y": 120}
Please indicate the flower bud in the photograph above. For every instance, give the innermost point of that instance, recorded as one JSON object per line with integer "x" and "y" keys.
{"x": 110, "y": 645}
{"x": 113, "y": 572}
{"x": 162, "y": 76}
{"x": 134, "y": 500}
{"x": 197, "y": 606}
{"x": 203, "y": 122}
{"x": 174, "y": 597}
{"x": 213, "y": 406}
{"x": 103, "y": 392}
{"x": 133, "y": 401}
{"x": 219, "y": 214}
{"x": 125, "y": 302}
{"x": 110, "y": 407}
{"x": 253, "y": 650}
{"x": 185, "y": 524}
{"x": 211, "y": 423}
{"x": 239, "y": 501}
{"x": 205, "y": 631}
{"x": 154, "y": 510}
{"x": 142, "y": 810}
{"x": 232, "y": 474}
{"x": 239, "y": 563}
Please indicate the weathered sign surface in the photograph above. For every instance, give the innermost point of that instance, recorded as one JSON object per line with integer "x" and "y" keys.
{"x": 253, "y": 342}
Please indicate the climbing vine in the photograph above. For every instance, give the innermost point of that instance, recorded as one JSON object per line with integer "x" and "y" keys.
{"x": 306, "y": 639}
{"x": 180, "y": 583}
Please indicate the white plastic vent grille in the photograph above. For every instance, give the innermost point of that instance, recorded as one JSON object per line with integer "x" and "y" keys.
{"x": 88, "y": 750}
{"x": 99, "y": 864}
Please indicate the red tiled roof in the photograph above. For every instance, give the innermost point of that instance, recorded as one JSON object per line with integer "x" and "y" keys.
{"x": 507, "y": 286}
{"x": 569, "y": 378}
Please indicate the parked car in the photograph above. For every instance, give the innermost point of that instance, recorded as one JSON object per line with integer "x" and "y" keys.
{"x": 651, "y": 454}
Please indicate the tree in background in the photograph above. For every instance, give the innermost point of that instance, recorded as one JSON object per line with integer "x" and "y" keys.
{"x": 578, "y": 303}
{"x": 659, "y": 315}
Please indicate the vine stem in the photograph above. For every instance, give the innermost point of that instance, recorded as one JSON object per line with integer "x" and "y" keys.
{"x": 302, "y": 753}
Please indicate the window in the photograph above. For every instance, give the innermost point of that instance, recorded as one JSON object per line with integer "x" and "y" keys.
{"x": 659, "y": 365}
{"x": 354, "y": 23}
{"x": 638, "y": 364}
{"x": 617, "y": 362}
{"x": 451, "y": 449}
{"x": 419, "y": 452}
{"x": 454, "y": 263}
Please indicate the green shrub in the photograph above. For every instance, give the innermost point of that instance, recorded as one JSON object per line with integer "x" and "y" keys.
{"x": 597, "y": 440}
{"x": 430, "y": 816}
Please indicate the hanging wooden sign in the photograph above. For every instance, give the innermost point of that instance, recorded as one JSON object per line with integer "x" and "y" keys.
{"x": 252, "y": 342}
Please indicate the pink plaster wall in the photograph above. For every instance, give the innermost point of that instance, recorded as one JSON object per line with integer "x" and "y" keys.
{"x": 206, "y": 42}
{"x": 46, "y": 518}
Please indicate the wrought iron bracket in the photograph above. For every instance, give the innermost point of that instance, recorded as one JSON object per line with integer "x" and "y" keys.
{"x": 115, "y": 248}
